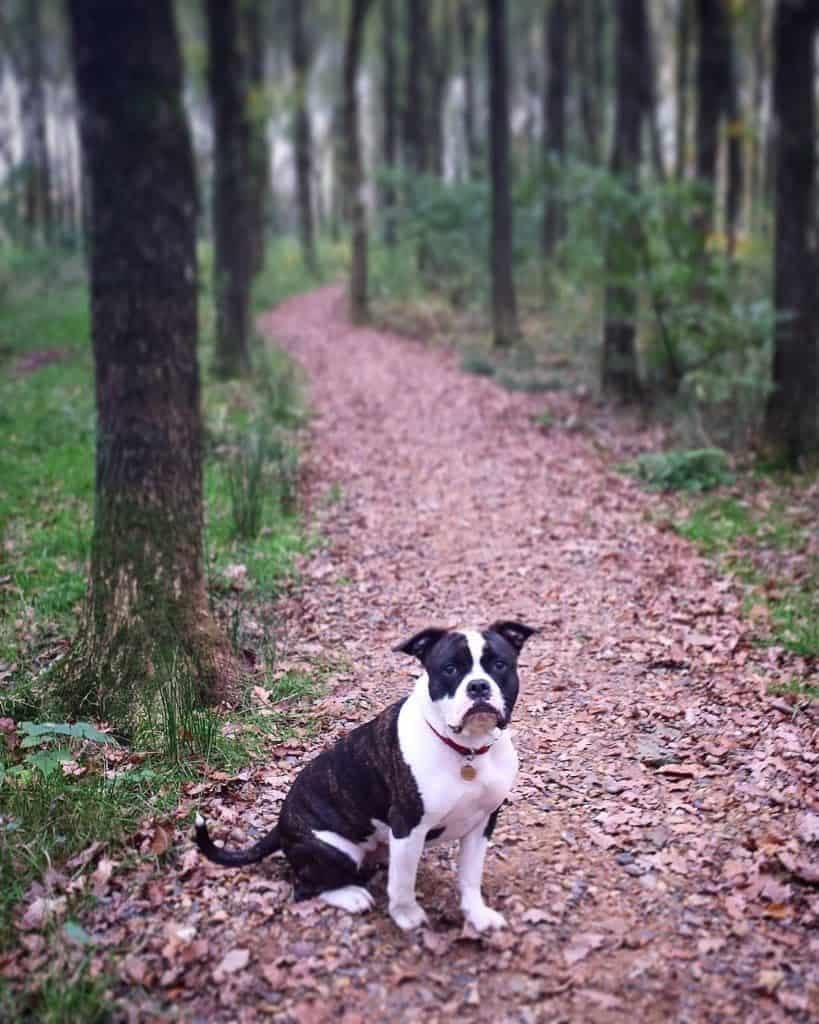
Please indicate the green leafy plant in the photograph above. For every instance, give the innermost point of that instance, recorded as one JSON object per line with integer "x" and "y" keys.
{"x": 699, "y": 470}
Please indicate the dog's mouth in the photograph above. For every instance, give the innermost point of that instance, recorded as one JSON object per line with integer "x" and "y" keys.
{"x": 480, "y": 714}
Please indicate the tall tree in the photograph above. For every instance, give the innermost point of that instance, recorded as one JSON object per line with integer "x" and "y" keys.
{"x": 353, "y": 168}
{"x": 232, "y": 184}
{"x": 792, "y": 414}
{"x": 556, "y": 44}
{"x": 302, "y": 136}
{"x": 259, "y": 154}
{"x": 683, "y": 57}
{"x": 467, "y": 33}
{"x": 390, "y": 106}
{"x": 416, "y": 111}
{"x": 504, "y": 312}
{"x": 589, "y": 19}
{"x": 38, "y": 212}
{"x": 439, "y": 59}
{"x": 651, "y": 100}
{"x": 146, "y": 607}
{"x": 620, "y": 376}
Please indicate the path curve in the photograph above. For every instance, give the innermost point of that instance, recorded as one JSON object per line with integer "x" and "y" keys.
{"x": 642, "y": 861}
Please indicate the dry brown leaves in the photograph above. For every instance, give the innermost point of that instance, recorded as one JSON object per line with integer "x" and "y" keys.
{"x": 660, "y": 855}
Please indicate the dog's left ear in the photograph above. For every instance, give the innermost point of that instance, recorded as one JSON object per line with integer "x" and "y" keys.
{"x": 514, "y": 633}
{"x": 422, "y": 642}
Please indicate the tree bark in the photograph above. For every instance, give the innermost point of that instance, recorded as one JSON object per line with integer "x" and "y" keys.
{"x": 390, "y": 104}
{"x": 146, "y": 610}
{"x": 354, "y": 174}
{"x": 714, "y": 43}
{"x": 416, "y": 149}
{"x": 792, "y": 414}
{"x": 650, "y": 99}
{"x": 734, "y": 136}
{"x": 38, "y": 207}
{"x": 467, "y": 31}
{"x": 504, "y": 313}
{"x": 620, "y": 376}
{"x": 232, "y": 184}
{"x": 302, "y": 136}
{"x": 259, "y": 155}
{"x": 589, "y": 31}
{"x": 438, "y": 63}
{"x": 556, "y": 42}
{"x": 683, "y": 55}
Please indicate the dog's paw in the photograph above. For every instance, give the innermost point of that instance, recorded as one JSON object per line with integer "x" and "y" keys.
{"x": 353, "y": 898}
{"x": 484, "y": 917}
{"x": 408, "y": 916}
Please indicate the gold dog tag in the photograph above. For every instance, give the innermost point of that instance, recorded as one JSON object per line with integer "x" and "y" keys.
{"x": 468, "y": 771}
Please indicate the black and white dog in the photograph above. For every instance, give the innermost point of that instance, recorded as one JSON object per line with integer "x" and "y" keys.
{"x": 436, "y": 766}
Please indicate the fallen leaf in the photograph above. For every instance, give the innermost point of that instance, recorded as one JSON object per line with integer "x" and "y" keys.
{"x": 581, "y": 945}
{"x": 235, "y": 960}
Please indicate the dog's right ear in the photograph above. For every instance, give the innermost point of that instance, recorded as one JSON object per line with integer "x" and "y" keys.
{"x": 422, "y": 642}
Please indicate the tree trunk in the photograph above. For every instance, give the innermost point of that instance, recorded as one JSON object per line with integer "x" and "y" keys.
{"x": 711, "y": 94}
{"x": 588, "y": 35}
{"x": 734, "y": 133}
{"x": 438, "y": 64}
{"x": 232, "y": 184}
{"x": 683, "y": 34}
{"x": 354, "y": 174}
{"x": 620, "y": 376}
{"x": 467, "y": 46}
{"x": 259, "y": 155}
{"x": 416, "y": 149}
{"x": 504, "y": 315}
{"x": 147, "y": 613}
{"x": 556, "y": 42}
{"x": 759, "y": 64}
{"x": 650, "y": 98}
{"x": 37, "y": 212}
{"x": 390, "y": 103}
{"x": 302, "y": 142}
{"x": 791, "y": 420}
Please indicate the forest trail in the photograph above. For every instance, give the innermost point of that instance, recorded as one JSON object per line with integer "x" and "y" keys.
{"x": 654, "y": 860}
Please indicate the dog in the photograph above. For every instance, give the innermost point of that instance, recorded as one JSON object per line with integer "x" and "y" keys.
{"x": 434, "y": 767}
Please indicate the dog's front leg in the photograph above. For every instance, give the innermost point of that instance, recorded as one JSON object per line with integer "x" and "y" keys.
{"x": 405, "y": 853}
{"x": 470, "y": 870}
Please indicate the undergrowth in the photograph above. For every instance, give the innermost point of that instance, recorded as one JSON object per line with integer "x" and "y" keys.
{"x": 65, "y": 786}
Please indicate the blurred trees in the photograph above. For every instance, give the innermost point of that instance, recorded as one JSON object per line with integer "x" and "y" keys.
{"x": 302, "y": 137}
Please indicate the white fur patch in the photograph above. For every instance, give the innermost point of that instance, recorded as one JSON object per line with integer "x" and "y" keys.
{"x": 353, "y": 898}
{"x": 353, "y": 850}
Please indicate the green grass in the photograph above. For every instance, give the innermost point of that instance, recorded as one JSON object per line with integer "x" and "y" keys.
{"x": 46, "y": 520}
{"x": 284, "y": 274}
{"x": 758, "y": 541}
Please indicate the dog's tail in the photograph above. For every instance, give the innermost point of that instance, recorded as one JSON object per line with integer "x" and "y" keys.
{"x": 235, "y": 858}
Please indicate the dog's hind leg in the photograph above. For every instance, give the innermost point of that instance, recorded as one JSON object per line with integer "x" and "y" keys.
{"x": 325, "y": 871}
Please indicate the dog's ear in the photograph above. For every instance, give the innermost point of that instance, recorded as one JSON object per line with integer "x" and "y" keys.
{"x": 514, "y": 633}
{"x": 422, "y": 642}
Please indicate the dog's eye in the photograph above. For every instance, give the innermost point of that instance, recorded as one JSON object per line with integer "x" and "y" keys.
{"x": 449, "y": 670}
{"x": 500, "y": 666}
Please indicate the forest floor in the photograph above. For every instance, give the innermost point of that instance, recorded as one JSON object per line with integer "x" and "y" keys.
{"x": 659, "y": 858}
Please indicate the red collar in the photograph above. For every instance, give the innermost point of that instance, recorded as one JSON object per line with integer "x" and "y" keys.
{"x": 464, "y": 751}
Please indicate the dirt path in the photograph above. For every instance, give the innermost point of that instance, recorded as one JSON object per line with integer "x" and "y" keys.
{"x": 650, "y": 862}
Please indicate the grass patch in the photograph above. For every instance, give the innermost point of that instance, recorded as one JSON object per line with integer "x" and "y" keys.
{"x": 698, "y": 470}
{"x": 65, "y": 996}
{"x": 765, "y": 537}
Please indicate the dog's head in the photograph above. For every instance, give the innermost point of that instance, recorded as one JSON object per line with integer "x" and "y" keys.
{"x": 471, "y": 674}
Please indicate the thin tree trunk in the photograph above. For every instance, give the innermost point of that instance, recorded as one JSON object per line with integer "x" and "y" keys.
{"x": 38, "y": 212}
{"x": 147, "y": 612}
{"x": 759, "y": 64}
{"x": 232, "y": 184}
{"x": 650, "y": 98}
{"x": 259, "y": 155}
{"x": 683, "y": 55}
{"x": 556, "y": 42}
{"x": 438, "y": 64}
{"x": 620, "y": 375}
{"x": 587, "y": 33}
{"x": 302, "y": 137}
{"x": 390, "y": 103}
{"x": 734, "y": 132}
{"x": 416, "y": 149}
{"x": 792, "y": 414}
{"x": 504, "y": 313}
{"x": 711, "y": 93}
{"x": 354, "y": 174}
{"x": 467, "y": 31}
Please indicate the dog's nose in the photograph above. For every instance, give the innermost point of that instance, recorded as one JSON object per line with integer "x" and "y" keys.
{"x": 478, "y": 689}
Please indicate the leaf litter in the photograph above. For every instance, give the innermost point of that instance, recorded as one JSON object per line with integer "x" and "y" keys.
{"x": 660, "y": 853}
